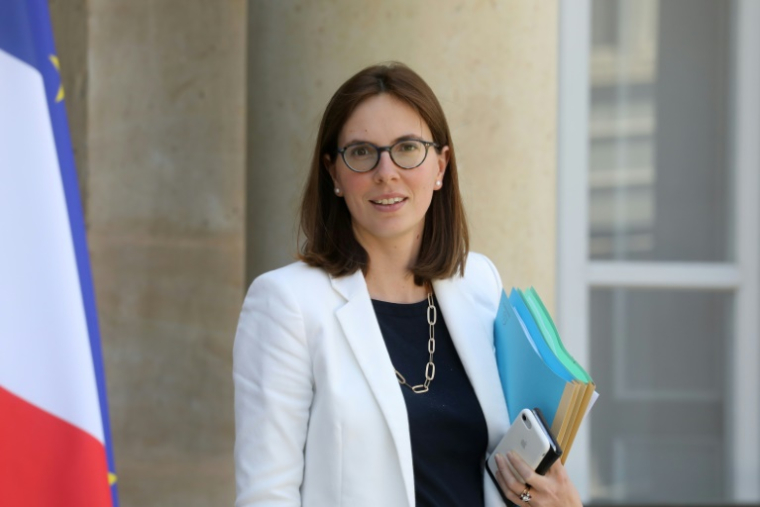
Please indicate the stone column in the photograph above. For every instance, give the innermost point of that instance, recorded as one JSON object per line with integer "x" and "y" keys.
{"x": 165, "y": 125}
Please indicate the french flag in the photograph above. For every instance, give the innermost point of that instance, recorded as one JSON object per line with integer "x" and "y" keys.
{"x": 55, "y": 447}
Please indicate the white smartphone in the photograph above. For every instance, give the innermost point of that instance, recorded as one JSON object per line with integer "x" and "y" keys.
{"x": 527, "y": 438}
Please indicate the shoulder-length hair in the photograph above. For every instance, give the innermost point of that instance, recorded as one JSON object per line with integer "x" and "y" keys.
{"x": 328, "y": 239}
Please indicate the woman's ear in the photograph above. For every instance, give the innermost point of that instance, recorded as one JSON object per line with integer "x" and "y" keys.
{"x": 443, "y": 164}
{"x": 330, "y": 166}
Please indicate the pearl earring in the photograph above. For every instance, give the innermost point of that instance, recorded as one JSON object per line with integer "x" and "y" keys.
{"x": 437, "y": 183}
{"x": 337, "y": 191}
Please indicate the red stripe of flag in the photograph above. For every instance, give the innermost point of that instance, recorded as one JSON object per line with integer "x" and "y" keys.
{"x": 46, "y": 461}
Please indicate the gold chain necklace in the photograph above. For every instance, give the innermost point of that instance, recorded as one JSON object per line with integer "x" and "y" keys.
{"x": 432, "y": 317}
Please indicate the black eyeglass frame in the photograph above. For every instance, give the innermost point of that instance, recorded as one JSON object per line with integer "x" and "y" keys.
{"x": 381, "y": 149}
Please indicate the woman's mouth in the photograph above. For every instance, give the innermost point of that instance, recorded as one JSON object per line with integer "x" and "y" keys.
{"x": 389, "y": 204}
{"x": 392, "y": 200}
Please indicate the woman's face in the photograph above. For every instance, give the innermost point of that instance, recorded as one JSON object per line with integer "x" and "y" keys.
{"x": 384, "y": 120}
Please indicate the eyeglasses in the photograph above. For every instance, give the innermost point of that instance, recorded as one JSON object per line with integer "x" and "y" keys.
{"x": 407, "y": 154}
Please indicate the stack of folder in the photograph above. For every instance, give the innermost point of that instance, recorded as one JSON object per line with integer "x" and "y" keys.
{"x": 535, "y": 368}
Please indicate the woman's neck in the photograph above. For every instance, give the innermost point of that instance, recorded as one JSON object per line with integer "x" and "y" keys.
{"x": 389, "y": 277}
{"x": 387, "y": 282}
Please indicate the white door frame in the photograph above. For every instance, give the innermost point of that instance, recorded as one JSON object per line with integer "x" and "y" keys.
{"x": 576, "y": 274}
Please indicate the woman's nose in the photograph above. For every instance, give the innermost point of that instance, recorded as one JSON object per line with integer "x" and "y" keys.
{"x": 386, "y": 167}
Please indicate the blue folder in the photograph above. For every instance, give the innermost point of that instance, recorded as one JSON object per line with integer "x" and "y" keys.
{"x": 528, "y": 380}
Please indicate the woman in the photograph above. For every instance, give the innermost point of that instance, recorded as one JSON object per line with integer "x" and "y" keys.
{"x": 365, "y": 374}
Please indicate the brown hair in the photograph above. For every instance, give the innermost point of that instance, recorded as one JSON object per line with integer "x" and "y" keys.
{"x": 325, "y": 219}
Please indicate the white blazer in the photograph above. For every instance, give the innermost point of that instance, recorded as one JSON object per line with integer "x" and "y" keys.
{"x": 320, "y": 418}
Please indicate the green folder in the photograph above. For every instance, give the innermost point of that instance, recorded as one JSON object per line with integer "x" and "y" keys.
{"x": 550, "y": 334}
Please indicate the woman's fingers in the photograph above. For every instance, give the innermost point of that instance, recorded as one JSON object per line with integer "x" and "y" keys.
{"x": 520, "y": 477}
{"x": 510, "y": 483}
{"x": 552, "y": 490}
{"x": 504, "y": 476}
{"x": 523, "y": 470}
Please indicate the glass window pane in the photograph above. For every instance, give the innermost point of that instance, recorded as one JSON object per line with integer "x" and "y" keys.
{"x": 658, "y": 358}
{"x": 659, "y": 175}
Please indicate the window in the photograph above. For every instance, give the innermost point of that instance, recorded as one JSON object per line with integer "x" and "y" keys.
{"x": 658, "y": 245}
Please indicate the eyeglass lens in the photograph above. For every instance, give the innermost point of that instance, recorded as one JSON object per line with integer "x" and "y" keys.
{"x": 405, "y": 154}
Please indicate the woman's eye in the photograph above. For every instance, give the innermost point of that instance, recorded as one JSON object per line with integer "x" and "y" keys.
{"x": 408, "y": 146}
{"x": 359, "y": 151}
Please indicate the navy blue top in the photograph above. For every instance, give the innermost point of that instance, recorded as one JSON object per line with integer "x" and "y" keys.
{"x": 446, "y": 424}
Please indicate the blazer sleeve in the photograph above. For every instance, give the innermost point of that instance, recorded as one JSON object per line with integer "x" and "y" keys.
{"x": 273, "y": 382}
{"x": 498, "y": 286}
{"x": 486, "y": 280}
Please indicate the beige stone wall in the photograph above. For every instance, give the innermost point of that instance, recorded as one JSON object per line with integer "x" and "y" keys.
{"x": 492, "y": 65}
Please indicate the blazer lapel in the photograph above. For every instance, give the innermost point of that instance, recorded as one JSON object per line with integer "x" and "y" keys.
{"x": 473, "y": 339}
{"x": 357, "y": 318}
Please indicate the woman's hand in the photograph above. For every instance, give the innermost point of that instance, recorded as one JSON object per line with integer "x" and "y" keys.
{"x": 554, "y": 489}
